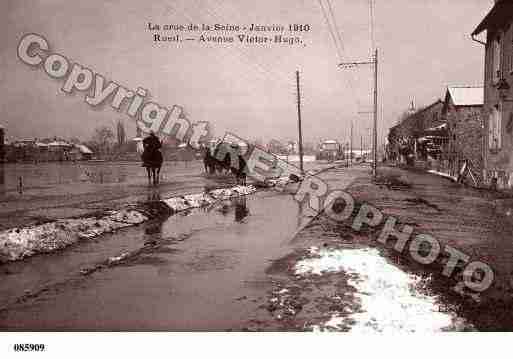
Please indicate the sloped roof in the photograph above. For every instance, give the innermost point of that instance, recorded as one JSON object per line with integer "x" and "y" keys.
{"x": 466, "y": 95}
{"x": 84, "y": 149}
{"x": 58, "y": 143}
{"x": 498, "y": 16}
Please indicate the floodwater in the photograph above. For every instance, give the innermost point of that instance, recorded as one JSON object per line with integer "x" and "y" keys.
{"x": 191, "y": 282}
{"x": 44, "y": 174}
{"x": 204, "y": 270}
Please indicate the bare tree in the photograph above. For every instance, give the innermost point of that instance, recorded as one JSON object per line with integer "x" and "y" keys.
{"x": 102, "y": 139}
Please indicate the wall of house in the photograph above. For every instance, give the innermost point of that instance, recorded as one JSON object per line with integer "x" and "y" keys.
{"x": 465, "y": 138}
{"x": 430, "y": 117}
{"x": 413, "y": 126}
{"x": 498, "y": 163}
{"x": 2, "y": 144}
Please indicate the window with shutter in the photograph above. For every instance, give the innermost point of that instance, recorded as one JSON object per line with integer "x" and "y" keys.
{"x": 496, "y": 76}
{"x": 495, "y": 129}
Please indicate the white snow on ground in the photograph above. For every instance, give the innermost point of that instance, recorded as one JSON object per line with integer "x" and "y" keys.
{"x": 443, "y": 174}
{"x": 18, "y": 243}
{"x": 389, "y": 300}
{"x": 199, "y": 200}
{"x": 177, "y": 203}
{"x": 204, "y": 199}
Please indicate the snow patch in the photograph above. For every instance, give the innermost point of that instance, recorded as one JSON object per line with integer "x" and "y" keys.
{"x": 443, "y": 174}
{"x": 182, "y": 203}
{"x": 388, "y": 296}
{"x": 18, "y": 243}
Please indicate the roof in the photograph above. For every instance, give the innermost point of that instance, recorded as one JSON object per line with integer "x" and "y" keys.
{"x": 59, "y": 143}
{"x": 441, "y": 127}
{"x": 84, "y": 149}
{"x": 466, "y": 95}
{"x": 498, "y": 16}
{"x": 427, "y": 107}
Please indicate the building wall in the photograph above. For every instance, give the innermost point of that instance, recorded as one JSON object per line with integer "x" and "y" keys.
{"x": 465, "y": 138}
{"x": 413, "y": 126}
{"x": 430, "y": 116}
{"x": 2, "y": 144}
{"x": 498, "y": 163}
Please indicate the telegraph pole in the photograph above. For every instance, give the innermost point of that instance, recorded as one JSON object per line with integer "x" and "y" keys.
{"x": 299, "y": 124}
{"x": 375, "y": 135}
{"x": 351, "y": 141}
{"x": 361, "y": 146}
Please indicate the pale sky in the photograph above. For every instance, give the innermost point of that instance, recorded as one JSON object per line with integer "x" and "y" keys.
{"x": 248, "y": 90}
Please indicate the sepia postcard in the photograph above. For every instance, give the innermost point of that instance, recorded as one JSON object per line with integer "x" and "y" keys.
{"x": 305, "y": 166}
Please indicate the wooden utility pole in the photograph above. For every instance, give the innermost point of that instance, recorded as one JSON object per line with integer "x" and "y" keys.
{"x": 374, "y": 139}
{"x": 351, "y": 141}
{"x": 375, "y": 134}
{"x": 361, "y": 146}
{"x": 300, "y": 143}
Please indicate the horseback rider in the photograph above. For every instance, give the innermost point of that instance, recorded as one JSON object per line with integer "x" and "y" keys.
{"x": 152, "y": 157}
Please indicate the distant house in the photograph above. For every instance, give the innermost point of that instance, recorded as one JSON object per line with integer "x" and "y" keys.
{"x": 498, "y": 95}
{"x": 277, "y": 147}
{"x": 408, "y": 140}
{"x": 462, "y": 113}
{"x": 84, "y": 152}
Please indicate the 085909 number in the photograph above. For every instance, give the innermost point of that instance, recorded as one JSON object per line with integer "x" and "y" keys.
{"x": 29, "y": 347}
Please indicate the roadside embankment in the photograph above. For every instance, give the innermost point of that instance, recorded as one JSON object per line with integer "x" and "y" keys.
{"x": 477, "y": 223}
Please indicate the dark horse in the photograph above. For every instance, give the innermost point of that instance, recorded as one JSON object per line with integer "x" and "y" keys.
{"x": 209, "y": 161}
{"x": 213, "y": 162}
{"x": 152, "y": 158}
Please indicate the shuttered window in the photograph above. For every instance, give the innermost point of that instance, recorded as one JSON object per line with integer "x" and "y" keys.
{"x": 495, "y": 129}
{"x": 496, "y": 76}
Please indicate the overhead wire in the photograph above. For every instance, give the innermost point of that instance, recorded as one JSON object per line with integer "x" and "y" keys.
{"x": 261, "y": 69}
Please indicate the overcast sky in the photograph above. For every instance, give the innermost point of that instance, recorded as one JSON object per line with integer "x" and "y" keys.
{"x": 249, "y": 90}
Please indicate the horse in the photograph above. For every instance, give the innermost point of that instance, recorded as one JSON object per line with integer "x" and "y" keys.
{"x": 213, "y": 164}
{"x": 152, "y": 158}
{"x": 153, "y": 165}
{"x": 209, "y": 161}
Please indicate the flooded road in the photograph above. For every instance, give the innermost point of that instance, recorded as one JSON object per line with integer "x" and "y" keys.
{"x": 238, "y": 265}
{"x": 203, "y": 270}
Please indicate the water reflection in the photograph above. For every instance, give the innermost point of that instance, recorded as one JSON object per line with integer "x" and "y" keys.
{"x": 153, "y": 196}
{"x": 241, "y": 208}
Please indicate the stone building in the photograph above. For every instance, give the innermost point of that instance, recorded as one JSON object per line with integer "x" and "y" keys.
{"x": 462, "y": 114}
{"x": 2, "y": 143}
{"x": 498, "y": 96}
{"x": 408, "y": 140}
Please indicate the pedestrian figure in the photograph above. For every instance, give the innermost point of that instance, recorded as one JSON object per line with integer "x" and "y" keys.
{"x": 152, "y": 157}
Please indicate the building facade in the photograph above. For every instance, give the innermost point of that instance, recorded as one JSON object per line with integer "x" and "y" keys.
{"x": 407, "y": 141}
{"x": 2, "y": 144}
{"x": 498, "y": 96}
{"x": 462, "y": 113}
